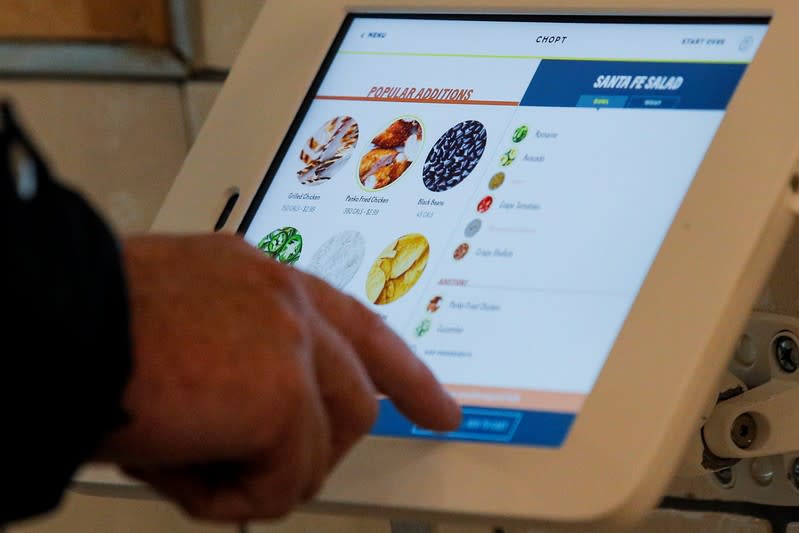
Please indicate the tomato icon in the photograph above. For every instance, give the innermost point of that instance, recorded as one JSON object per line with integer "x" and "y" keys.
{"x": 485, "y": 204}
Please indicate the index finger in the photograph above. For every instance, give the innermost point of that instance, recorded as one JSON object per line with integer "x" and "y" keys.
{"x": 393, "y": 367}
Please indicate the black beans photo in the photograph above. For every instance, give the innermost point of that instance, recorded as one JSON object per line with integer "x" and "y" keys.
{"x": 454, "y": 156}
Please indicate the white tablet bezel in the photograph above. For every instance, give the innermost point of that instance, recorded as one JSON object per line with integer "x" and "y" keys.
{"x": 662, "y": 372}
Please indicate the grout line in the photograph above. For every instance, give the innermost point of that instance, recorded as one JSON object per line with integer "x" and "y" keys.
{"x": 210, "y": 76}
{"x": 91, "y": 59}
{"x": 181, "y": 20}
{"x": 207, "y": 75}
{"x": 85, "y": 77}
{"x": 779, "y": 517}
{"x": 188, "y": 134}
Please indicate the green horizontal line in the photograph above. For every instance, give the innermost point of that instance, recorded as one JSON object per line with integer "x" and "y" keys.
{"x": 553, "y": 58}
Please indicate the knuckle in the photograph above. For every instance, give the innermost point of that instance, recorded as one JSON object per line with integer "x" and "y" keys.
{"x": 371, "y": 410}
{"x": 290, "y": 331}
{"x": 232, "y": 240}
{"x": 294, "y": 393}
{"x": 293, "y": 326}
{"x": 274, "y": 278}
{"x": 357, "y": 408}
{"x": 314, "y": 487}
{"x": 369, "y": 320}
{"x": 364, "y": 415}
{"x": 287, "y": 495}
{"x": 280, "y": 506}
{"x": 197, "y": 509}
{"x": 288, "y": 279}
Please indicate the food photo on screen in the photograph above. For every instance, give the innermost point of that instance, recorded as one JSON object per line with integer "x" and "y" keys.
{"x": 393, "y": 151}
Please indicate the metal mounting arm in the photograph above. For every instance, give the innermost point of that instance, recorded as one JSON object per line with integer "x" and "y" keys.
{"x": 761, "y": 422}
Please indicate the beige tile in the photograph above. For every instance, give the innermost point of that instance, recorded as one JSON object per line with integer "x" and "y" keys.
{"x": 670, "y": 521}
{"x": 662, "y": 521}
{"x": 667, "y": 521}
{"x": 318, "y": 523}
{"x": 120, "y": 143}
{"x": 137, "y": 21}
{"x": 780, "y": 293}
{"x": 90, "y": 514}
{"x": 462, "y": 528}
{"x": 793, "y": 528}
{"x": 199, "y": 97}
{"x": 220, "y": 29}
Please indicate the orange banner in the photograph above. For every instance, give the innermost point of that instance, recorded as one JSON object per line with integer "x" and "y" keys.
{"x": 527, "y": 400}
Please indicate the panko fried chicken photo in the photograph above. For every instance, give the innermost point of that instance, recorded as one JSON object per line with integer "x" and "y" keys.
{"x": 397, "y": 134}
{"x": 393, "y": 151}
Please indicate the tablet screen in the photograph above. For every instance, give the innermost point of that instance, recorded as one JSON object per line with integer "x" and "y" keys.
{"x": 497, "y": 188}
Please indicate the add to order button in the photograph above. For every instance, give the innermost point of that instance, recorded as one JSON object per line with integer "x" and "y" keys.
{"x": 481, "y": 424}
{"x": 595, "y": 100}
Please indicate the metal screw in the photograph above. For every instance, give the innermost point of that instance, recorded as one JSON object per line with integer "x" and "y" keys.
{"x": 762, "y": 470}
{"x": 787, "y": 353}
{"x": 745, "y": 352}
{"x": 725, "y": 477}
{"x": 744, "y": 431}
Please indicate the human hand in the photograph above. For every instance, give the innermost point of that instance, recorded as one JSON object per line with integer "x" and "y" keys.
{"x": 251, "y": 379}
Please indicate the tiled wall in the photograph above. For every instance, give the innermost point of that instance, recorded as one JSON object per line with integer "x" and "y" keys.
{"x": 121, "y": 143}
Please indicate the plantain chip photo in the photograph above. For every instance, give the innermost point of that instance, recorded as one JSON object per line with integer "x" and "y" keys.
{"x": 397, "y": 269}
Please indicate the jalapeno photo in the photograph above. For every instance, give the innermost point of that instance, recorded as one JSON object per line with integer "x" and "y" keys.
{"x": 284, "y": 245}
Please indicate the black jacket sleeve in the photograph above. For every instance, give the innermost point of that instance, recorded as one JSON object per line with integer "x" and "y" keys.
{"x": 65, "y": 352}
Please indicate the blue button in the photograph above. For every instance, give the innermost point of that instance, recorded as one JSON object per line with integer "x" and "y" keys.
{"x": 654, "y": 102}
{"x": 481, "y": 424}
{"x": 598, "y": 100}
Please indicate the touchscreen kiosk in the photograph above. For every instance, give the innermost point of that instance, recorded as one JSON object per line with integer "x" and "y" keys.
{"x": 565, "y": 215}
{"x": 499, "y": 211}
